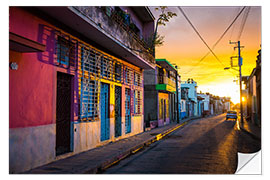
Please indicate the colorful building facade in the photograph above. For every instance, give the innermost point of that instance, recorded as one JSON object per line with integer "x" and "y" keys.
{"x": 204, "y": 108}
{"x": 160, "y": 104}
{"x": 253, "y": 94}
{"x": 75, "y": 82}
{"x": 191, "y": 96}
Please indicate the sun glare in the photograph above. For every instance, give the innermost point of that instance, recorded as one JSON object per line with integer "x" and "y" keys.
{"x": 228, "y": 89}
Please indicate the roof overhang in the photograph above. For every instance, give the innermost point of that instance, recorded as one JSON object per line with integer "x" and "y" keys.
{"x": 200, "y": 98}
{"x": 143, "y": 13}
{"x": 78, "y": 22}
{"x": 21, "y": 44}
{"x": 165, "y": 64}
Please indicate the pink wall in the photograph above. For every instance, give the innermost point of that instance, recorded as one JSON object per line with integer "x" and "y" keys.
{"x": 32, "y": 88}
{"x": 31, "y": 91}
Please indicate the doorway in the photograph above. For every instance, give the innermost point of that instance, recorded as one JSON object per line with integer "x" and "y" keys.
{"x": 63, "y": 113}
{"x": 104, "y": 112}
{"x": 127, "y": 111}
{"x": 118, "y": 119}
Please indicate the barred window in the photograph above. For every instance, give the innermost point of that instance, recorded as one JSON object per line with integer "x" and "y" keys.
{"x": 137, "y": 102}
{"x": 128, "y": 75}
{"x": 137, "y": 79}
{"x": 90, "y": 60}
{"x": 89, "y": 101}
{"x": 118, "y": 72}
{"x": 106, "y": 67}
{"x": 66, "y": 52}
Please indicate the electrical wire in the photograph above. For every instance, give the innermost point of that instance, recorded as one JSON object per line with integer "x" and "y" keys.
{"x": 234, "y": 20}
{"x": 197, "y": 32}
{"x": 243, "y": 23}
{"x": 233, "y": 27}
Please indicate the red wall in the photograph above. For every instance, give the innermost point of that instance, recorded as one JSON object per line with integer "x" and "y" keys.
{"x": 32, "y": 86}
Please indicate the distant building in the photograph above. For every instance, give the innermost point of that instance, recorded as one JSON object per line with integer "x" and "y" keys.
{"x": 183, "y": 109}
{"x": 192, "y": 106}
{"x": 160, "y": 107}
{"x": 205, "y": 104}
{"x": 227, "y": 104}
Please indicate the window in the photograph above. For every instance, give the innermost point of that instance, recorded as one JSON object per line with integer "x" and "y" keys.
{"x": 137, "y": 79}
{"x": 90, "y": 60}
{"x": 128, "y": 75}
{"x": 66, "y": 52}
{"x": 118, "y": 72}
{"x": 106, "y": 67}
{"x": 89, "y": 95}
{"x": 137, "y": 102}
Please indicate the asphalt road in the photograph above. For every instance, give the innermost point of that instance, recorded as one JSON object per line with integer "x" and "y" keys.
{"x": 204, "y": 146}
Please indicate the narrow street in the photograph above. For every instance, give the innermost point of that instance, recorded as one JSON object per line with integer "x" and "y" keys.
{"x": 208, "y": 145}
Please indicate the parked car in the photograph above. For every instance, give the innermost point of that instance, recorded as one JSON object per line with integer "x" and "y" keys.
{"x": 231, "y": 115}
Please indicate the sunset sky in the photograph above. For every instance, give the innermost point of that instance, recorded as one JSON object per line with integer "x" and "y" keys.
{"x": 183, "y": 46}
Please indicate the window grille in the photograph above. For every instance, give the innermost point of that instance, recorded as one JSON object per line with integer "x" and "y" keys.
{"x": 90, "y": 60}
{"x": 66, "y": 51}
{"x": 101, "y": 65}
{"x": 118, "y": 72}
{"x": 137, "y": 79}
{"x": 128, "y": 75}
{"x": 106, "y": 68}
{"x": 89, "y": 100}
{"x": 137, "y": 102}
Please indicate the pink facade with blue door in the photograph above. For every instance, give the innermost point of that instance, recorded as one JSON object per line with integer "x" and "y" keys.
{"x": 54, "y": 89}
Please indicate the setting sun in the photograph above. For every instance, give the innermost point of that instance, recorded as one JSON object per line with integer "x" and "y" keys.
{"x": 183, "y": 47}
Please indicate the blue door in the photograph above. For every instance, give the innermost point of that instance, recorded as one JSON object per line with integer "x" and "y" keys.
{"x": 127, "y": 111}
{"x": 104, "y": 112}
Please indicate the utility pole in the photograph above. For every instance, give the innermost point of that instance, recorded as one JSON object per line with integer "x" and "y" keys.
{"x": 240, "y": 62}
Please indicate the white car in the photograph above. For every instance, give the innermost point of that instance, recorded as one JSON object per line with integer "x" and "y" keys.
{"x": 231, "y": 115}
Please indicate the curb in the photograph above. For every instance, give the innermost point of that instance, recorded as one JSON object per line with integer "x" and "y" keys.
{"x": 103, "y": 166}
{"x": 250, "y": 133}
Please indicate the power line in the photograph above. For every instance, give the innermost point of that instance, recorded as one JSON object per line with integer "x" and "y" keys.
{"x": 243, "y": 23}
{"x": 236, "y": 12}
{"x": 234, "y": 20}
{"x": 193, "y": 27}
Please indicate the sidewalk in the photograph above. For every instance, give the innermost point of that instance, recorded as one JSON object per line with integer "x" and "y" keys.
{"x": 251, "y": 129}
{"x": 98, "y": 159}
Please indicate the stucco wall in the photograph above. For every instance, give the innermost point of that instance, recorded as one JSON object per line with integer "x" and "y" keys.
{"x": 32, "y": 103}
{"x": 151, "y": 106}
{"x": 31, "y": 147}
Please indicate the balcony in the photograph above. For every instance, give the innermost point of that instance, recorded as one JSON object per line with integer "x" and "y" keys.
{"x": 106, "y": 28}
{"x": 165, "y": 84}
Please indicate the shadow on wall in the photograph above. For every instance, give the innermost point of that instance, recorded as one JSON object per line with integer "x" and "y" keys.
{"x": 61, "y": 51}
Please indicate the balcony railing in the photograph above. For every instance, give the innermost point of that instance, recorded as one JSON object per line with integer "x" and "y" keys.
{"x": 166, "y": 80}
{"x": 112, "y": 23}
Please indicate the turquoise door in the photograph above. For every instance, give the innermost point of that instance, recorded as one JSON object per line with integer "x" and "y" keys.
{"x": 127, "y": 111}
{"x": 104, "y": 112}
